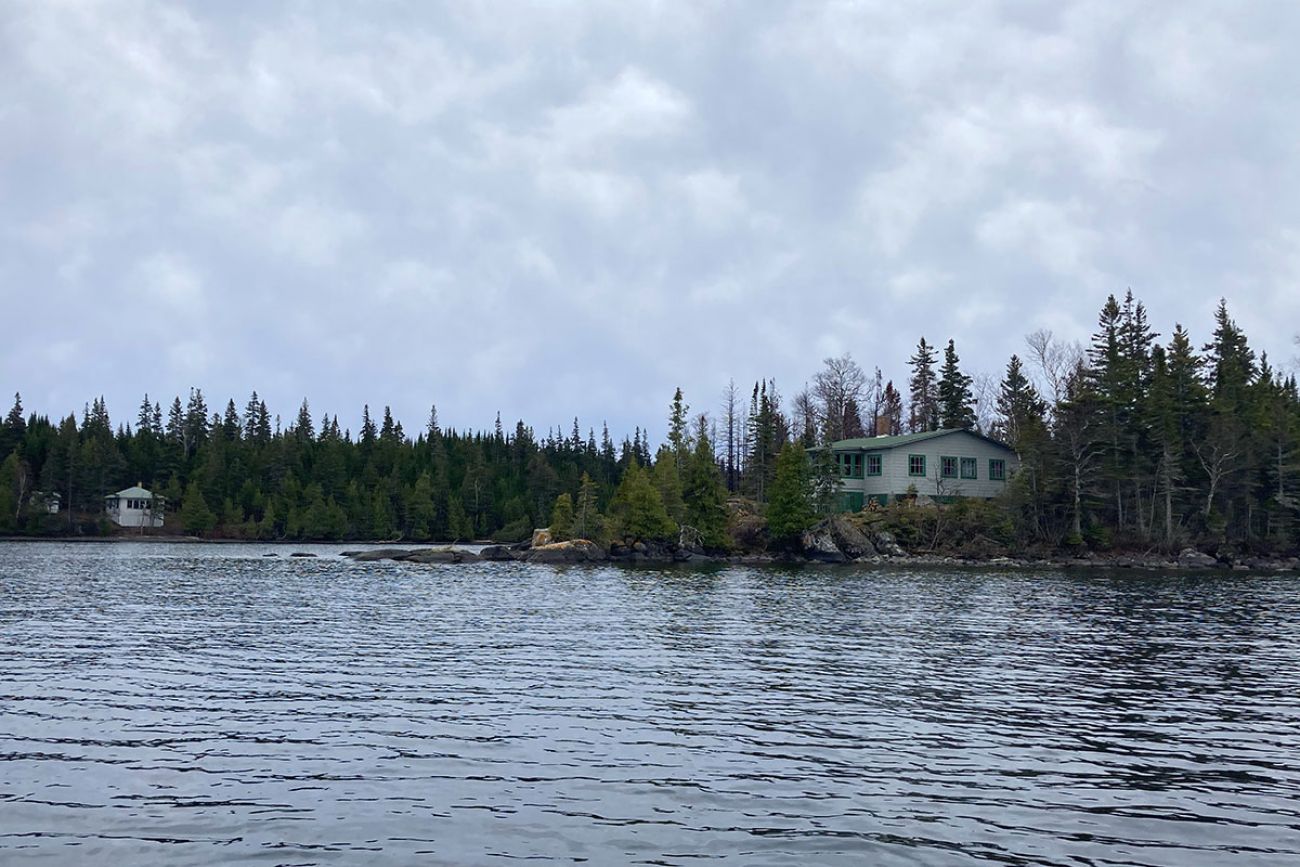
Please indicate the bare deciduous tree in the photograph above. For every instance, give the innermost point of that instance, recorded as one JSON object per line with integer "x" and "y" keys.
{"x": 835, "y": 385}
{"x": 1055, "y": 361}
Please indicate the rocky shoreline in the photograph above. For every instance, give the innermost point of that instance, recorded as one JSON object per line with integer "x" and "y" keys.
{"x": 831, "y": 543}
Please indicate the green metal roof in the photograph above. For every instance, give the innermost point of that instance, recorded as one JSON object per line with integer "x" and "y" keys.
{"x": 873, "y": 444}
{"x": 134, "y": 493}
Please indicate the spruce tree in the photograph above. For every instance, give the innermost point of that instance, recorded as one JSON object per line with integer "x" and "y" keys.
{"x": 562, "y": 518}
{"x": 586, "y": 515}
{"x": 678, "y": 434}
{"x": 637, "y": 510}
{"x": 668, "y": 480}
{"x": 196, "y": 517}
{"x": 956, "y": 404}
{"x": 790, "y": 509}
{"x": 924, "y": 410}
{"x": 706, "y": 496}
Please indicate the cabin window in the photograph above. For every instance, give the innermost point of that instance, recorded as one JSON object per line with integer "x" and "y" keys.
{"x": 997, "y": 470}
{"x": 850, "y": 464}
{"x": 875, "y": 464}
{"x": 969, "y": 468}
{"x": 948, "y": 467}
{"x": 916, "y": 465}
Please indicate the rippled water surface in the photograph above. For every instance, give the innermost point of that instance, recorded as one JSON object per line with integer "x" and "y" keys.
{"x": 204, "y": 704}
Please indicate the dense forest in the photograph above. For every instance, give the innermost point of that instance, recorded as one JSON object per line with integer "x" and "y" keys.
{"x": 1129, "y": 441}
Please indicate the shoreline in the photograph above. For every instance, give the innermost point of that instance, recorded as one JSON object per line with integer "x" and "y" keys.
{"x": 463, "y": 553}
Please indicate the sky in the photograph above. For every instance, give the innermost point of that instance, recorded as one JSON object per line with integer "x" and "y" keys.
{"x": 569, "y": 209}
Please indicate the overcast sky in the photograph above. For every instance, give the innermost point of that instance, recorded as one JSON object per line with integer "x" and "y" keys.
{"x": 558, "y": 209}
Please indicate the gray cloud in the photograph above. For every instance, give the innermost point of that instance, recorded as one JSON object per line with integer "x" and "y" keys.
{"x": 569, "y": 209}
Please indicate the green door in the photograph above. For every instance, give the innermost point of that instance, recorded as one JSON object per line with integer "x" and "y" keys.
{"x": 851, "y": 501}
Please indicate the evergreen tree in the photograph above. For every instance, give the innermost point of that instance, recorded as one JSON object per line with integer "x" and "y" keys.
{"x": 790, "y": 510}
{"x": 678, "y": 435}
{"x": 586, "y": 517}
{"x": 637, "y": 510}
{"x": 669, "y": 482}
{"x": 924, "y": 411}
{"x": 14, "y": 427}
{"x": 891, "y": 411}
{"x": 196, "y": 517}
{"x": 1020, "y": 411}
{"x": 562, "y": 518}
{"x": 706, "y": 496}
{"x": 956, "y": 404}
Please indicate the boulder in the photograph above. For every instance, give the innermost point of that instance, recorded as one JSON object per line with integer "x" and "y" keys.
{"x": 302, "y": 554}
{"x": 441, "y": 555}
{"x": 433, "y": 555}
{"x": 1190, "y": 558}
{"x": 496, "y": 553}
{"x": 572, "y": 551}
{"x": 886, "y": 544}
{"x": 818, "y": 544}
{"x": 849, "y": 539}
{"x": 379, "y": 554}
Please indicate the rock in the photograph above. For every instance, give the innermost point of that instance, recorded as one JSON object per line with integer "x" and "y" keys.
{"x": 886, "y": 544}
{"x": 270, "y": 554}
{"x": 441, "y": 555}
{"x": 301, "y": 554}
{"x": 849, "y": 539}
{"x": 1190, "y": 558}
{"x": 572, "y": 551}
{"x": 379, "y": 554}
{"x": 819, "y": 544}
{"x": 496, "y": 553}
{"x": 541, "y": 538}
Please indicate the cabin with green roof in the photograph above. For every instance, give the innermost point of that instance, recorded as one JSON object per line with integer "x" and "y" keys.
{"x": 940, "y": 465}
{"x": 135, "y": 507}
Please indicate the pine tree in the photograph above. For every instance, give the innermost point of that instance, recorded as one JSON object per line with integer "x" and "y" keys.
{"x": 790, "y": 510}
{"x": 668, "y": 481}
{"x": 304, "y": 429}
{"x": 924, "y": 412}
{"x": 562, "y": 518}
{"x": 196, "y": 517}
{"x": 250, "y": 417}
{"x": 637, "y": 510}
{"x": 1020, "y": 411}
{"x": 678, "y": 435}
{"x": 586, "y": 517}
{"x": 956, "y": 404}
{"x": 14, "y": 427}
{"x": 706, "y": 496}
{"x": 891, "y": 410}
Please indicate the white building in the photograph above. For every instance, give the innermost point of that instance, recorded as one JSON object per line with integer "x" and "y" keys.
{"x": 135, "y": 507}
{"x": 940, "y": 465}
{"x": 40, "y": 501}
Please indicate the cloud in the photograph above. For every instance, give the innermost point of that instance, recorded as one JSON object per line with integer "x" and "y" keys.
{"x": 574, "y": 208}
{"x": 167, "y": 279}
{"x": 314, "y": 232}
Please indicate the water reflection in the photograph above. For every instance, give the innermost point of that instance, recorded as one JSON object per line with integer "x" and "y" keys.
{"x": 191, "y": 704}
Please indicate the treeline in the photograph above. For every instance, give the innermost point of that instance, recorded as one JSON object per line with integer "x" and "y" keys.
{"x": 1129, "y": 441}
{"x": 1137, "y": 442}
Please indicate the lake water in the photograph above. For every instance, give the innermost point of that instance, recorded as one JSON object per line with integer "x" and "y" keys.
{"x": 204, "y": 704}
